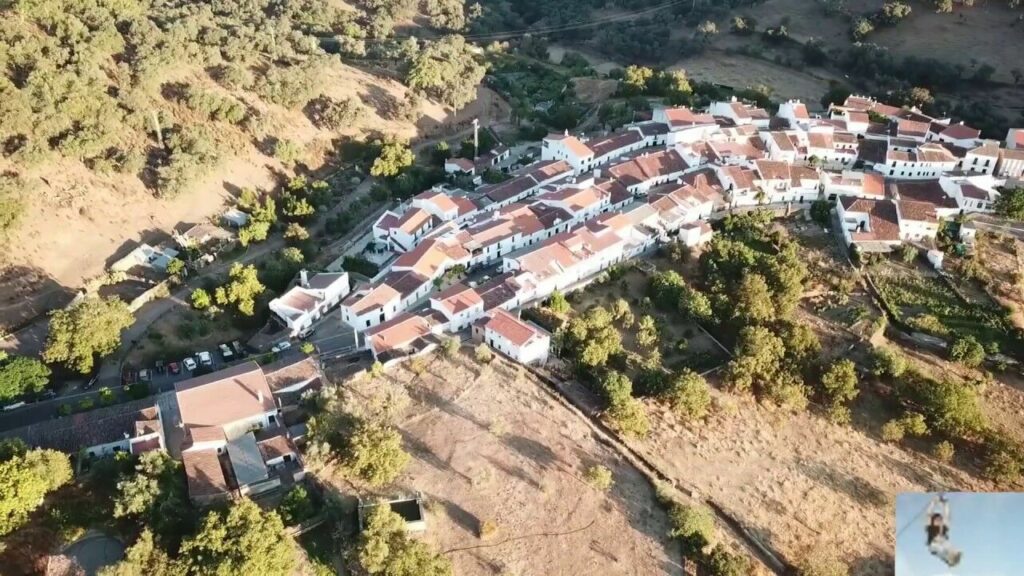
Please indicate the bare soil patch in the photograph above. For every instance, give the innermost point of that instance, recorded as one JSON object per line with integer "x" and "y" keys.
{"x": 489, "y": 445}
{"x": 741, "y": 71}
{"x": 593, "y": 90}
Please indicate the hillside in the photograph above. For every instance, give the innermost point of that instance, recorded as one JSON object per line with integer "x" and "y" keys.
{"x": 87, "y": 175}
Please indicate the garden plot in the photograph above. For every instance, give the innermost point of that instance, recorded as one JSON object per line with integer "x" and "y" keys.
{"x": 927, "y": 303}
{"x": 493, "y": 454}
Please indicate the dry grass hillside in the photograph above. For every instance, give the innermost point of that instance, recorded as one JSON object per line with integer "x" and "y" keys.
{"x": 77, "y": 221}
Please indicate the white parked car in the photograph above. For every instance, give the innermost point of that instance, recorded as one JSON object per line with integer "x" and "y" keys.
{"x": 226, "y": 352}
{"x": 190, "y": 364}
{"x": 281, "y": 346}
{"x": 14, "y": 406}
{"x": 204, "y": 358}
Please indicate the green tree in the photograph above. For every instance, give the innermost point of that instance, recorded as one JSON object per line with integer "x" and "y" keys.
{"x": 450, "y": 346}
{"x": 839, "y": 382}
{"x": 758, "y": 358}
{"x": 201, "y": 299}
{"x": 635, "y": 80}
{"x": 143, "y": 558}
{"x": 861, "y": 28}
{"x": 893, "y": 11}
{"x": 296, "y": 506}
{"x": 86, "y": 329}
{"x": 295, "y": 232}
{"x": 374, "y": 453}
{"x": 331, "y": 114}
{"x": 395, "y": 156}
{"x": 241, "y": 540}
{"x": 385, "y": 549}
{"x": 943, "y": 6}
{"x": 647, "y": 333}
{"x": 629, "y": 418}
{"x": 888, "y": 362}
{"x": 176, "y": 268}
{"x": 21, "y": 375}
{"x": 600, "y": 477}
{"x": 242, "y": 289}
{"x": 558, "y": 304}
{"x": 693, "y": 525}
{"x": 25, "y": 478}
{"x": 689, "y": 395}
{"x": 721, "y": 562}
{"x": 446, "y": 70}
{"x": 754, "y": 301}
{"x": 968, "y": 351}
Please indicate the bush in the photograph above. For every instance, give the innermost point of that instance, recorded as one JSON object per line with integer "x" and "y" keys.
{"x": 694, "y": 525}
{"x": 450, "y": 347}
{"x": 689, "y": 395}
{"x": 599, "y": 477}
{"x": 287, "y": 151}
{"x": 201, "y": 299}
{"x": 822, "y": 562}
{"x": 889, "y": 362}
{"x": 483, "y": 353}
{"x": 944, "y": 451}
{"x": 487, "y": 529}
{"x": 892, "y": 431}
{"x": 296, "y": 506}
{"x": 629, "y": 418}
{"x": 968, "y": 351}
{"x": 307, "y": 348}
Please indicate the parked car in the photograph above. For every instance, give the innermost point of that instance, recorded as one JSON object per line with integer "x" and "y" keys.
{"x": 158, "y": 367}
{"x": 239, "y": 350}
{"x": 281, "y": 346}
{"x": 174, "y": 368}
{"x": 145, "y": 375}
{"x": 226, "y": 352}
{"x": 48, "y": 394}
{"x": 13, "y": 406}
{"x": 190, "y": 364}
{"x": 204, "y": 358}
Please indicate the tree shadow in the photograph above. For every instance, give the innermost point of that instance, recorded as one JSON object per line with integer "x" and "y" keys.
{"x": 856, "y": 488}
{"x": 514, "y": 471}
{"x": 425, "y": 453}
{"x": 460, "y": 516}
{"x": 27, "y": 294}
{"x": 532, "y": 450}
{"x": 434, "y": 400}
{"x": 386, "y": 105}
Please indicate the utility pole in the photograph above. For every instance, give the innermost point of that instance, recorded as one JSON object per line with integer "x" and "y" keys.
{"x": 476, "y": 138}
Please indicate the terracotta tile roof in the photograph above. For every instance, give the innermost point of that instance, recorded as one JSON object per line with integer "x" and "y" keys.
{"x": 934, "y": 153}
{"x": 1016, "y": 135}
{"x": 798, "y": 174}
{"x": 276, "y": 446}
{"x": 575, "y": 199}
{"x": 683, "y": 117}
{"x": 723, "y": 150}
{"x": 464, "y": 205}
{"x": 905, "y": 127}
{"x": 820, "y": 140}
{"x": 800, "y": 111}
{"x": 83, "y": 430}
{"x": 874, "y": 151}
{"x": 574, "y": 145}
{"x": 648, "y": 167}
{"x": 926, "y": 191}
{"x": 961, "y": 132}
{"x": 615, "y": 142}
{"x": 873, "y": 183}
{"x": 885, "y": 109}
{"x": 458, "y": 297}
{"x": 972, "y": 191}
{"x": 387, "y": 221}
{"x": 742, "y": 177}
{"x": 200, "y": 434}
{"x": 782, "y": 140}
{"x": 398, "y": 332}
{"x": 224, "y": 397}
{"x": 841, "y": 137}
{"x": 143, "y": 427}
{"x": 988, "y": 150}
{"x": 205, "y": 473}
{"x": 464, "y": 164}
{"x": 405, "y": 282}
{"x": 651, "y": 128}
{"x": 369, "y": 298}
{"x": 858, "y": 103}
{"x": 298, "y": 299}
{"x": 508, "y": 189}
{"x": 290, "y": 371}
{"x": 883, "y": 222}
{"x": 858, "y": 117}
{"x": 917, "y": 211}
{"x": 444, "y": 202}
{"x": 1012, "y": 154}
{"x": 414, "y": 219}
{"x": 429, "y": 256}
{"x": 147, "y": 445}
{"x": 498, "y": 290}
{"x": 511, "y": 328}
{"x": 772, "y": 169}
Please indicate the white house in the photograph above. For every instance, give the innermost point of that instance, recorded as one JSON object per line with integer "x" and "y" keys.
{"x": 444, "y": 207}
{"x": 459, "y": 166}
{"x": 1015, "y": 138}
{"x": 569, "y": 149}
{"x": 222, "y": 406}
{"x": 405, "y": 335}
{"x": 782, "y": 146}
{"x": 646, "y": 170}
{"x": 1011, "y": 163}
{"x": 310, "y": 300}
{"x": 684, "y": 125}
{"x": 795, "y": 112}
{"x": 981, "y": 159}
{"x": 871, "y": 225}
{"x": 371, "y": 305}
{"x": 927, "y": 161}
{"x": 975, "y": 193}
{"x": 461, "y": 305}
{"x": 523, "y": 342}
{"x": 959, "y": 135}
{"x": 740, "y": 113}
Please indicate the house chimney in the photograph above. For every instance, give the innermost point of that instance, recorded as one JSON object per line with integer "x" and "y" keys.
{"x": 566, "y": 132}
{"x": 303, "y": 280}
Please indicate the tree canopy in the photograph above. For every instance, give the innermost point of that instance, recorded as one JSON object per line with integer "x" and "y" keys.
{"x": 446, "y": 70}
{"x": 26, "y": 476}
{"x": 395, "y": 156}
{"x": 385, "y": 549}
{"x": 241, "y": 540}
{"x": 21, "y": 375}
{"x": 1010, "y": 203}
{"x": 242, "y": 289}
{"x": 89, "y": 328}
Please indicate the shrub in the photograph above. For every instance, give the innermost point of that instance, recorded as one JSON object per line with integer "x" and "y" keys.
{"x": 483, "y": 353}
{"x": 599, "y": 477}
{"x": 628, "y": 417}
{"x": 889, "y": 362}
{"x": 558, "y": 304}
{"x": 450, "y": 347}
{"x": 487, "y": 529}
{"x": 689, "y": 395}
{"x": 201, "y": 299}
{"x": 944, "y": 451}
{"x": 694, "y": 525}
{"x": 822, "y": 562}
{"x": 296, "y": 506}
{"x": 914, "y": 424}
{"x": 892, "y": 431}
{"x": 307, "y": 348}
{"x": 287, "y": 151}
{"x": 968, "y": 351}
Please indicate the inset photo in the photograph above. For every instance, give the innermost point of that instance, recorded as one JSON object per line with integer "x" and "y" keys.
{"x": 959, "y": 534}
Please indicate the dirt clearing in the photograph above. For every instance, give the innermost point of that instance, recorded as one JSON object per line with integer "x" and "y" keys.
{"x": 488, "y": 445}
{"x": 742, "y": 71}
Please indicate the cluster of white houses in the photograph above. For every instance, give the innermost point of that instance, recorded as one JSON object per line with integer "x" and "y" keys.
{"x": 592, "y": 202}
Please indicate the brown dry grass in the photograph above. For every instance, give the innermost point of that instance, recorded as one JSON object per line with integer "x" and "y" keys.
{"x": 489, "y": 445}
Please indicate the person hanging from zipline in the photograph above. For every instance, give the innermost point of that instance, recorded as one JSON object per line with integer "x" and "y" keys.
{"x": 937, "y": 528}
